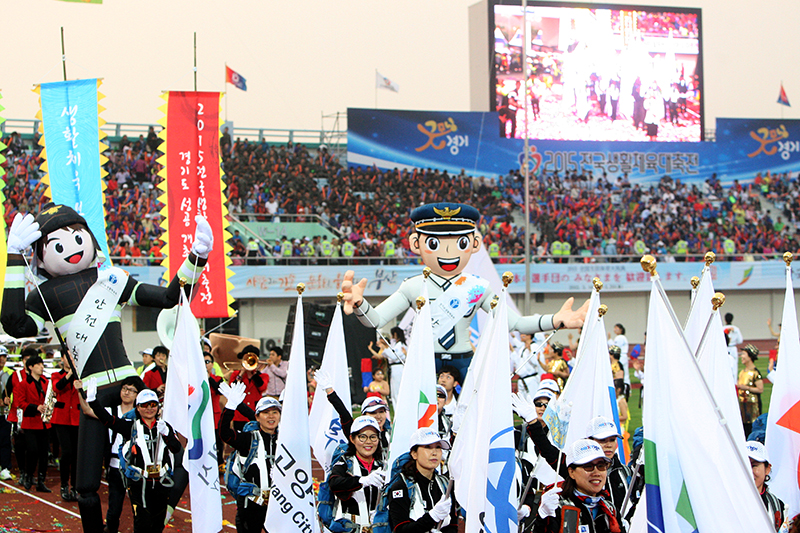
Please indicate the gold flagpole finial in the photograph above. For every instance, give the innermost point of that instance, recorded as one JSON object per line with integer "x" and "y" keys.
{"x": 508, "y": 277}
{"x": 426, "y": 272}
{"x": 420, "y": 302}
{"x": 695, "y": 282}
{"x": 648, "y": 263}
{"x": 717, "y": 300}
{"x": 495, "y": 301}
{"x": 182, "y": 282}
{"x": 300, "y": 288}
{"x": 709, "y": 258}
{"x": 602, "y": 310}
{"x": 339, "y": 297}
{"x": 787, "y": 258}
{"x": 597, "y": 284}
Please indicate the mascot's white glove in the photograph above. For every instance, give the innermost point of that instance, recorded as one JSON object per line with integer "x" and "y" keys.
{"x": 91, "y": 390}
{"x": 523, "y": 408}
{"x": 373, "y": 479}
{"x": 162, "y": 426}
{"x": 323, "y": 380}
{"x": 549, "y": 503}
{"x": 233, "y": 393}
{"x": 524, "y": 512}
{"x": 441, "y": 509}
{"x": 24, "y": 231}
{"x": 203, "y": 238}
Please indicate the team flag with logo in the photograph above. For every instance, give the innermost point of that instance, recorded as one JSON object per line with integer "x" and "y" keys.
{"x": 323, "y": 421}
{"x": 382, "y": 82}
{"x": 291, "y": 504}
{"x": 416, "y": 399}
{"x": 235, "y": 79}
{"x": 782, "y": 98}
{"x": 783, "y": 421}
{"x": 686, "y": 442}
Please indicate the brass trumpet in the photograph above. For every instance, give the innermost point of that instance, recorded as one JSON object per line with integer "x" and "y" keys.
{"x": 250, "y": 362}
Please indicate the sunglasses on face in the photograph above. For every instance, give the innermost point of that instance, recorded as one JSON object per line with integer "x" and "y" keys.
{"x": 209, "y": 361}
{"x": 601, "y": 466}
{"x": 149, "y": 405}
{"x": 540, "y": 404}
{"x": 442, "y": 396}
{"x": 367, "y": 438}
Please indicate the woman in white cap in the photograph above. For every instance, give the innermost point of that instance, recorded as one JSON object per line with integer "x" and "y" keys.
{"x": 145, "y": 456}
{"x": 759, "y": 462}
{"x": 417, "y": 501}
{"x": 581, "y": 500}
{"x": 357, "y": 477}
{"x": 248, "y": 473}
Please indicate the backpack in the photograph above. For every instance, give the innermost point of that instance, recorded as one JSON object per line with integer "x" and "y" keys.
{"x": 234, "y": 483}
{"x": 130, "y": 472}
{"x": 380, "y": 523}
{"x": 326, "y": 500}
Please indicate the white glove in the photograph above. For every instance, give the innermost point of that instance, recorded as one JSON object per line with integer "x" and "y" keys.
{"x": 203, "y": 238}
{"x": 441, "y": 509}
{"x": 162, "y": 426}
{"x": 233, "y": 393}
{"x": 373, "y": 479}
{"x": 523, "y": 513}
{"x": 549, "y": 503}
{"x": 91, "y": 390}
{"x": 24, "y": 231}
{"x": 523, "y": 408}
{"x": 323, "y": 380}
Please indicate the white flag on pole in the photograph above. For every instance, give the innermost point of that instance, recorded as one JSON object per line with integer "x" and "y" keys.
{"x": 323, "y": 420}
{"x": 416, "y": 400}
{"x": 783, "y": 421}
{"x": 685, "y": 443}
{"x": 176, "y": 390}
{"x": 291, "y": 505}
{"x": 483, "y": 461}
{"x": 382, "y": 82}
{"x": 200, "y": 456}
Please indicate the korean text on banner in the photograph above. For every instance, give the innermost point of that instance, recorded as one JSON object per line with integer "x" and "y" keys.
{"x": 193, "y": 186}
{"x": 73, "y": 150}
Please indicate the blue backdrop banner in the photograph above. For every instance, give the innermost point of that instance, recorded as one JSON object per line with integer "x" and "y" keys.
{"x": 72, "y": 144}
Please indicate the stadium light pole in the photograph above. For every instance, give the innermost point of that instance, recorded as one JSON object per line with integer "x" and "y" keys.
{"x": 525, "y": 168}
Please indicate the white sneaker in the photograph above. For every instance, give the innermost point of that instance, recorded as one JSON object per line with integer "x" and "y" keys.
{"x": 5, "y": 474}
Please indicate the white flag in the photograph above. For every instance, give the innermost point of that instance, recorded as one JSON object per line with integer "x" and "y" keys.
{"x": 590, "y": 387}
{"x": 176, "y": 390}
{"x": 291, "y": 504}
{"x": 323, "y": 420}
{"x": 685, "y": 443}
{"x": 713, "y": 357}
{"x": 416, "y": 400}
{"x": 483, "y": 462}
{"x": 382, "y": 82}
{"x": 200, "y": 456}
{"x": 783, "y": 421}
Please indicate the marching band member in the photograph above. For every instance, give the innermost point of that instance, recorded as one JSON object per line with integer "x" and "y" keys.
{"x": 66, "y": 415}
{"x": 32, "y": 393}
{"x": 255, "y": 386}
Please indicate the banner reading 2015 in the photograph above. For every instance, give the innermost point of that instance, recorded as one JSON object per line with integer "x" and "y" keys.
{"x": 193, "y": 186}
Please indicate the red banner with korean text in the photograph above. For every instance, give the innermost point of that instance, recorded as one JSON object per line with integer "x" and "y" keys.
{"x": 192, "y": 185}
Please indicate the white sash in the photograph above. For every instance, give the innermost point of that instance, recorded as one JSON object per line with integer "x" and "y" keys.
{"x": 456, "y": 302}
{"x": 92, "y": 316}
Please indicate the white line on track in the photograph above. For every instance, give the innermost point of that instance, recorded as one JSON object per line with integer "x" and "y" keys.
{"x": 51, "y": 504}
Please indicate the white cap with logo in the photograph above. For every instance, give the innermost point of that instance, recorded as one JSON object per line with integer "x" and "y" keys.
{"x": 601, "y": 428}
{"x": 584, "y": 451}
{"x": 757, "y": 451}
{"x": 267, "y": 402}
{"x": 427, "y": 436}
{"x": 146, "y": 396}
{"x": 363, "y": 422}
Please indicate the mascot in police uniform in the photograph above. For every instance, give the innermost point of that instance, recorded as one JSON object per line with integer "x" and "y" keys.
{"x": 84, "y": 300}
{"x": 445, "y": 236}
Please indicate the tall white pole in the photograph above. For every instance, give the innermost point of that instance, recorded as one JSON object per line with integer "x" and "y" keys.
{"x": 526, "y": 170}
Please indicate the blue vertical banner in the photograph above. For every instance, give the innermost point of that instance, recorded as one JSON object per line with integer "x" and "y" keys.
{"x": 72, "y": 150}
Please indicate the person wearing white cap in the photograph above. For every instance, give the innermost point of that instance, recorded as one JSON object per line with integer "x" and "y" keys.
{"x": 428, "y": 506}
{"x": 357, "y": 477}
{"x": 145, "y": 456}
{"x": 759, "y": 462}
{"x": 148, "y": 361}
{"x": 551, "y": 385}
{"x": 604, "y": 432}
{"x": 249, "y": 469}
{"x": 581, "y": 499}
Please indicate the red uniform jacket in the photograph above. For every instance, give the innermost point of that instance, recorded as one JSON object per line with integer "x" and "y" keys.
{"x": 68, "y": 408}
{"x": 31, "y": 396}
{"x": 254, "y": 389}
{"x": 153, "y": 378}
{"x": 17, "y": 378}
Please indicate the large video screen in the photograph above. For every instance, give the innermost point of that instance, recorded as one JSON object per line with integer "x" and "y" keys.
{"x": 597, "y": 72}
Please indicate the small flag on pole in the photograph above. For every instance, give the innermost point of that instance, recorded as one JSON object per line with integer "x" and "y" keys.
{"x": 233, "y": 77}
{"x": 782, "y": 98}
{"x": 382, "y": 82}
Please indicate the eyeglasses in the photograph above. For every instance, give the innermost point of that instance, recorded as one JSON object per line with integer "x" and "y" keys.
{"x": 373, "y": 437}
{"x": 601, "y": 466}
{"x": 149, "y": 405}
{"x": 130, "y": 390}
{"x": 209, "y": 361}
{"x": 540, "y": 404}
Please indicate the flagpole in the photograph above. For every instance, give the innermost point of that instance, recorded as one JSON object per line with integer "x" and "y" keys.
{"x": 195, "y": 61}
{"x": 63, "y": 55}
{"x": 526, "y": 169}
{"x": 226, "y": 96}
{"x": 376, "y": 89}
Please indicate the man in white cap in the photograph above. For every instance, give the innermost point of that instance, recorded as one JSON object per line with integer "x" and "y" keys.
{"x": 248, "y": 474}
{"x": 759, "y": 462}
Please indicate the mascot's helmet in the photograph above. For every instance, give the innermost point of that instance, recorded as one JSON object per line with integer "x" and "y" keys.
{"x": 54, "y": 217}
